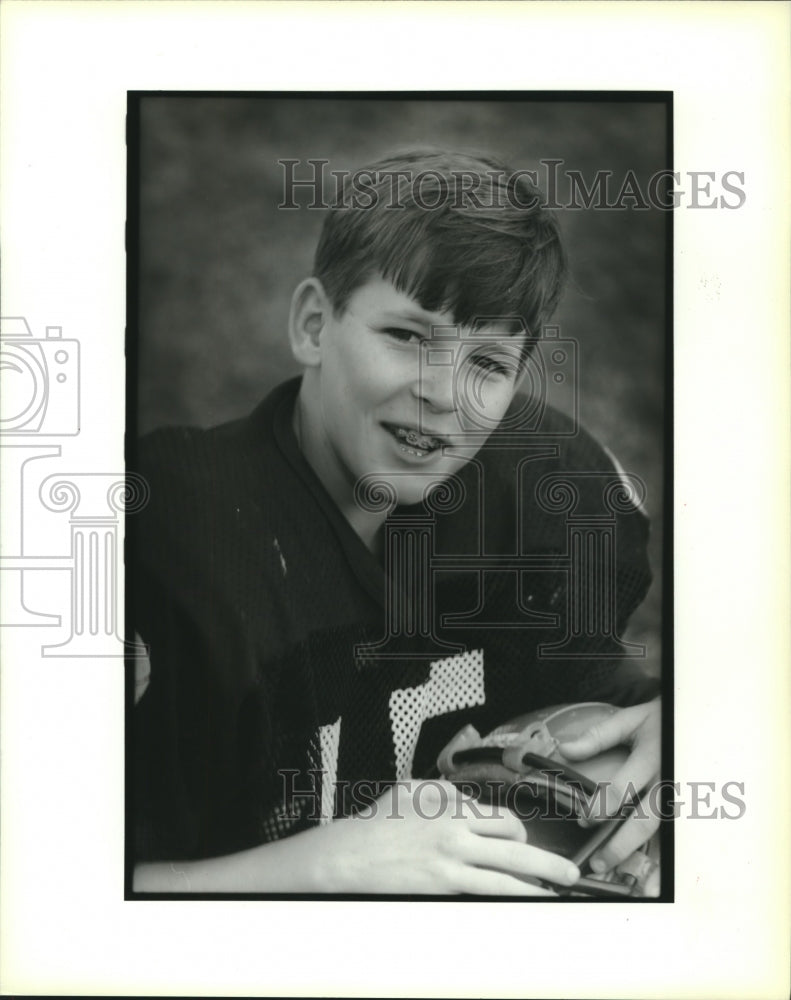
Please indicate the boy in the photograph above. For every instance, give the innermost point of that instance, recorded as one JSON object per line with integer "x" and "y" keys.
{"x": 334, "y": 586}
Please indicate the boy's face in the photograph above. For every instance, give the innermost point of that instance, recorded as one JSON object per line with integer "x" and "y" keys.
{"x": 402, "y": 399}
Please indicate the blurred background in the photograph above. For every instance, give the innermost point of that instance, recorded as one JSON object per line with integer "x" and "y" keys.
{"x": 218, "y": 259}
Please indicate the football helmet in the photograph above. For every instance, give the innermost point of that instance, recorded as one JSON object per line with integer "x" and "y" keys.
{"x": 518, "y": 765}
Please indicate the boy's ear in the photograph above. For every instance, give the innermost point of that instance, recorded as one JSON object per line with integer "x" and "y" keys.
{"x": 310, "y": 310}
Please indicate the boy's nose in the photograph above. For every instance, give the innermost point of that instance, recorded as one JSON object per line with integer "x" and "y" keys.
{"x": 435, "y": 387}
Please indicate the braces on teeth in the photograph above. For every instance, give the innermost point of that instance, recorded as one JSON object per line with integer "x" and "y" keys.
{"x": 416, "y": 440}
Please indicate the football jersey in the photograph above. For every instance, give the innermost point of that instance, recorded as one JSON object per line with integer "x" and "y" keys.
{"x": 294, "y": 673}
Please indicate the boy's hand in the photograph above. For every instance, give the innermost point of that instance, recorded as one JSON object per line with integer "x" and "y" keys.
{"x": 428, "y": 837}
{"x": 638, "y": 727}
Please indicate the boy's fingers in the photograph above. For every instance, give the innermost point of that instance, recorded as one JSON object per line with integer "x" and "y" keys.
{"x": 483, "y": 882}
{"x": 634, "y": 832}
{"x": 621, "y": 728}
{"x": 601, "y": 736}
{"x": 520, "y": 859}
{"x": 429, "y": 794}
{"x": 652, "y": 886}
{"x": 613, "y": 796}
{"x": 636, "y": 773}
{"x": 495, "y": 821}
{"x": 438, "y": 791}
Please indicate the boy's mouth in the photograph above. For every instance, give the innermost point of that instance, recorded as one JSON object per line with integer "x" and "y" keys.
{"x": 413, "y": 442}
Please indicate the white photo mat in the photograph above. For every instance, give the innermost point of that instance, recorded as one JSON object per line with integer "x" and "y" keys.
{"x": 66, "y": 929}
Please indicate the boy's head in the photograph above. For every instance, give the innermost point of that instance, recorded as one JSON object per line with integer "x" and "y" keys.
{"x": 414, "y": 327}
{"x": 458, "y": 233}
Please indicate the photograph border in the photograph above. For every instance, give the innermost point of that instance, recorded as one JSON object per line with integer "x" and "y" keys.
{"x": 133, "y": 144}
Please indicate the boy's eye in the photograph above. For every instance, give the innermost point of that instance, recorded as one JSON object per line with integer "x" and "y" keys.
{"x": 403, "y": 335}
{"x": 497, "y": 366}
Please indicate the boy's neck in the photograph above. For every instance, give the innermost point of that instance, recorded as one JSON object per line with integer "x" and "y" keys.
{"x": 365, "y": 524}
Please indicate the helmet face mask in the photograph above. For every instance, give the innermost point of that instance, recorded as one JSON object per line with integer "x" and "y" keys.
{"x": 518, "y": 766}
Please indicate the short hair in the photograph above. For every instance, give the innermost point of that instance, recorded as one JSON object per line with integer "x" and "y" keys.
{"x": 457, "y": 232}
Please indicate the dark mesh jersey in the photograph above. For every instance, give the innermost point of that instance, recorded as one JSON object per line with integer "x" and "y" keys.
{"x": 292, "y": 673}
